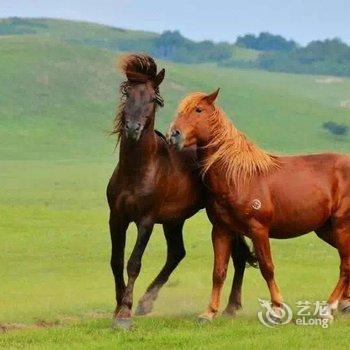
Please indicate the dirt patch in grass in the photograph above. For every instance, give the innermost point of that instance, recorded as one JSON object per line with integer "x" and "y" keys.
{"x": 345, "y": 104}
{"x": 60, "y": 321}
{"x": 329, "y": 80}
{"x": 7, "y": 327}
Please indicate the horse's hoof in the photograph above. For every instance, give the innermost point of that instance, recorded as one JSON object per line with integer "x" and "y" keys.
{"x": 275, "y": 319}
{"x": 344, "y": 307}
{"x": 345, "y": 310}
{"x": 230, "y": 312}
{"x": 276, "y": 316}
{"x": 327, "y": 316}
{"x": 204, "y": 318}
{"x": 142, "y": 310}
{"x": 123, "y": 323}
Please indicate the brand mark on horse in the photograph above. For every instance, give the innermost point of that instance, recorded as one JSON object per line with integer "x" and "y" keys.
{"x": 256, "y": 204}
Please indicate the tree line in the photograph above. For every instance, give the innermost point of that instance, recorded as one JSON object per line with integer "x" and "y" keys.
{"x": 330, "y": 57}
{"x": 275, "y": 53}
{"x": 271, "y": 52}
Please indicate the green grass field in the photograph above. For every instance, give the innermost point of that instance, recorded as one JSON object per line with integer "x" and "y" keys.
{"x": 57, "y": 102}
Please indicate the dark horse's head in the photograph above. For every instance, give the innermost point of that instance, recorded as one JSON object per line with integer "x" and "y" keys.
{"x": 140, "y": 96}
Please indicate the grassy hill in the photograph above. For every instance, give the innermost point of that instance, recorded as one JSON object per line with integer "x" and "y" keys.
{"x": 89, "y": 34}
{"x": 106, "y": 37}
{"x": 58, "y": 96}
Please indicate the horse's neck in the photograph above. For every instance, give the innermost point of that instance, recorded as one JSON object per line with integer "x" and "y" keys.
{"x": 233, "y": 160}
{"x": 214, "y": 176}
{"x": 216, "y": 180}
{"x": 134, "y": 155}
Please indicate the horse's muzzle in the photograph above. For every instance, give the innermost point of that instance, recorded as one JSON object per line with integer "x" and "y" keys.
{"x": 175, "y": 139}
{"x": 133, "y": 130}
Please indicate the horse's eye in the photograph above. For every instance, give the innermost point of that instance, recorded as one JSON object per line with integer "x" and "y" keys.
{"x": 198, "y": 110}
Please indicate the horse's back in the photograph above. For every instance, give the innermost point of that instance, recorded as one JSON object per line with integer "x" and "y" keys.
{"x": 307, "y": 191}
{"x": 317, "y": 161}
{"x": 323, "y": 166}
{"x": 342, "y": 167}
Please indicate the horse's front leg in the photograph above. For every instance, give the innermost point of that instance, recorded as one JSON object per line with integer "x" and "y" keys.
{"x": 118, "y": 227}
{"x": 144, "y": 230}
{"x": 176, "y": 252}
{"x": 260, "y": 238}
{"x": 222, "y": 249}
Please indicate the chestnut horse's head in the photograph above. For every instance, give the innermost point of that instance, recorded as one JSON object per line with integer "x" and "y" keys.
{"x": 191, "y": 125}
{"x": 140, "y": 95}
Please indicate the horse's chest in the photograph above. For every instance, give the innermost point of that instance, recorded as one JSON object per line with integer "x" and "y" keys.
{"x": 132, "y": 202}
{"x": 228, "y": 213}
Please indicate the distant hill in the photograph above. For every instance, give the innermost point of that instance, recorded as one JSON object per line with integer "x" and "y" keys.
{"x": 89, "y": 34}
{"x": 58, "y": 95}
{"x": 169, "y": 45}
{"x": 265, "y": 51}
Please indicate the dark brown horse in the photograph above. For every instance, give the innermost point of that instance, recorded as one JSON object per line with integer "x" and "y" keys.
{"x": 153, "y": 184}
{"x": 265, "y": 196}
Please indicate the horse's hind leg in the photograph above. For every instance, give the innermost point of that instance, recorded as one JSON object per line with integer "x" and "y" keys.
{"x": 144, "y": 231}
{"x": 176, "y": 252}
{"x": 118, "y": 229}
{"x": 325, "y": 233}
{"x": 344, "y": 302}
{"x": 235, "y": 299}
{"x": 239, "y": 263}
{"x": 341, "y": 235}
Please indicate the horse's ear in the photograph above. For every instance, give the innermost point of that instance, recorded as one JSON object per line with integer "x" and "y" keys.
{"x": 159, "y": 78}
{"x": 212, "y": 97}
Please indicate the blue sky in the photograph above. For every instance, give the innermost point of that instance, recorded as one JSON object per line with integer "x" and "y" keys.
{"x": 302, "y": 20}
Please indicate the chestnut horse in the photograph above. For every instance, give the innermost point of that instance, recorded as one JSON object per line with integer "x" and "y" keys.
{"x": 265, "y": 196}
{"x": 153, "y": 184}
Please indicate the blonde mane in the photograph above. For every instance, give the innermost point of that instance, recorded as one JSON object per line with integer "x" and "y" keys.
{"x": 231, "y": 150}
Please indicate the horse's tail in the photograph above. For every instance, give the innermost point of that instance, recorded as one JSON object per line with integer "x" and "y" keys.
{"x": 241, "y": 250}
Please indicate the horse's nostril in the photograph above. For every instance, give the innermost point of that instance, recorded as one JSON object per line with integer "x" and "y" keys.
{"x": 132, "y": 126}
{"x": 176, "y": 133}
